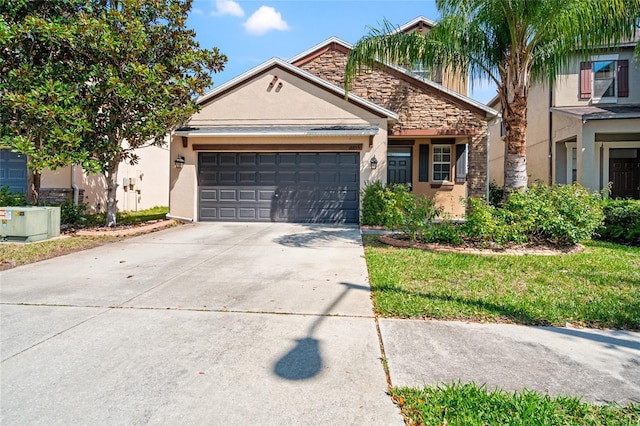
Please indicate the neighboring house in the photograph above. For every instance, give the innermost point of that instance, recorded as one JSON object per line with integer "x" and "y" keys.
{"x": 281, "y": 142}
{"x": 586, "y": 128}
{"x": 146, "y": 186}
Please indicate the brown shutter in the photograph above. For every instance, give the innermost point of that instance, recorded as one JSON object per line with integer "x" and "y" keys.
{"x": 585, "y": 80}
{"x": 623, "y": 78}
{"x": 423, "y": 164}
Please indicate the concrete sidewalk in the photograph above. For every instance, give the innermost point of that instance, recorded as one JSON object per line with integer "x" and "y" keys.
{"x": 597, "y": 365}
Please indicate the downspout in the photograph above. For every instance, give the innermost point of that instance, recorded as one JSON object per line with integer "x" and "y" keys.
{"x": 76, "y": 190}
{"x": 550, "y": 134}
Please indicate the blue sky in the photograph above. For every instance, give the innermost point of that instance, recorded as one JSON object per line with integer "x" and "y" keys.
{"x": 253, "y": 31}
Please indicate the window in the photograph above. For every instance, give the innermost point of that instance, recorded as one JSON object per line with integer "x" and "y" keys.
{"x": 441, "y": 163}
{"x": 604, "y": 78}
{"x": 423, "y": 166}
{"x": 434, "y": 74}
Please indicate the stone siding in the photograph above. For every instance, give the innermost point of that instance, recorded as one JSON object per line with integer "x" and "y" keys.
{"x": 418, "y": 109}
{"x": 57, "y": 196}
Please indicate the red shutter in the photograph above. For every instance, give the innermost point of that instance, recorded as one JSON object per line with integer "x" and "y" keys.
{"x": 585, "y": 80}
{"x": 623, "y": 78}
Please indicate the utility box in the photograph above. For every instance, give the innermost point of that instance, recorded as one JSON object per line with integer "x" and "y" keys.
{"x": 26, "y": 224}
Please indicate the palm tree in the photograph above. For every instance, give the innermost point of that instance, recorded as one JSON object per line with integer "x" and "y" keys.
{"x": 512, "y": 43}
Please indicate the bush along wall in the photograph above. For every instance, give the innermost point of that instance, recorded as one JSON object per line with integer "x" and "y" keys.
{"x": 621, "y": 221}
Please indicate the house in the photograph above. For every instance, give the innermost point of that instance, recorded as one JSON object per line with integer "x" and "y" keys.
{"x": 281, "y": 143}
{"x": 585, "y": 128}
{"x": 140, "y": 187}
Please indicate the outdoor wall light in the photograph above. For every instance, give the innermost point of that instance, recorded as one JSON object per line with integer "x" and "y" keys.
{"x": 179, "y": 162}
{"x": 374, "y": 163}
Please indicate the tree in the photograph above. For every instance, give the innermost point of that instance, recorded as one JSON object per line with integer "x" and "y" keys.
{"x": 42, "y": 107}
{"x": 140, "y": 70}
{"x": 512, "y": 43}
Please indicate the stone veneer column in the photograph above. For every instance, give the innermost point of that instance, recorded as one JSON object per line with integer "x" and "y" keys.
{"x": 477, "y": 173}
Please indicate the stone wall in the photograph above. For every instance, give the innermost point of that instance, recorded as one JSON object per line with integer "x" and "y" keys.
{"x": 57, "y": 196}
{"x": 419, "y": 106}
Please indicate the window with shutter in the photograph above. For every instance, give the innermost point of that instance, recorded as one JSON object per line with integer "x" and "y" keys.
{"x": 585, "y": 80}
{"x": 461, "y": 163}
{"x": 623, "y": 78}
{"x": 423, "y": 164}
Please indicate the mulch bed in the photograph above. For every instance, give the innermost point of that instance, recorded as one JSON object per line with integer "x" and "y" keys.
{"x": 120, "y": 230}
{"x": 483, "y": 248}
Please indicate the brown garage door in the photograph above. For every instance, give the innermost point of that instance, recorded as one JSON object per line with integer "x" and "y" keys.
{"x": 313, "y": 187}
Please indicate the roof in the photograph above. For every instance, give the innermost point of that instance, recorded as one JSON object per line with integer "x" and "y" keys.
{"x": 417, "y": 23}
{"x": 597, "y": 112}
{"x": 280, "y": 131}
{"x": 311, "y": 53}
{"x": 279, "y": 63}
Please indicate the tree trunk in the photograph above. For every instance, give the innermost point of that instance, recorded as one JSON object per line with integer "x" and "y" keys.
{"x": 33, "y": 194}
{"x": 514, "y": 116}
{"x": 111, "y": 177}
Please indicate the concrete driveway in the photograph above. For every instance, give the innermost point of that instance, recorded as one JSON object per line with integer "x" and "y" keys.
{"x": 201, "y": 324}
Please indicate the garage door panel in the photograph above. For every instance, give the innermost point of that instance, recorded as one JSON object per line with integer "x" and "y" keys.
{"x": 247, "y": 159}
{"x": 245, "y": 178}
{"x": 267, "y": 159}
{"x": 286, "y": 187}
{"x": 227, "y": 178}
{"x": 227, "y": 159}
{"x": 267, "y": 177}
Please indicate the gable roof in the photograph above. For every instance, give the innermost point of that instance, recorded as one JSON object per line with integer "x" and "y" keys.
{"x": 335, "y": 43}
{"x": 302, "y": 74}
{"x": 416, "y": 24}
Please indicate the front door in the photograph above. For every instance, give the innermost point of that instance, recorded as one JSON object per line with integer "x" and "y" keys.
{"x": 624, "y": 174}
{"x": 399, "y": 165}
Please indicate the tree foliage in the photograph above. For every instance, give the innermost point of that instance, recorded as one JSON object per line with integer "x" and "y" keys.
{"x": 107, "y": 77}
{"x": 509, "y": 42}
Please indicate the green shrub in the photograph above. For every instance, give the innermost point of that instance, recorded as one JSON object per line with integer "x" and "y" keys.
{"x": 563, "y": 214}
{"x": 395, "y": 207}
{"x": 486, "y": 222}
{"x": 373, "y": 202}
{"x": 496, "y": 194}
{"x": 10, "y": 198}
{"x": 407, "y": 212}
{"x": 445, "y": 232}
{"x": 71, "y": 213}
{"x": 621, "y": 222}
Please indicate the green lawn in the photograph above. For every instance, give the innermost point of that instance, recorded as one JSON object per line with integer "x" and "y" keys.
{"x": 12, "y": 255}
{"x": 470, "y": 405}
{"x": 599, "y": 287}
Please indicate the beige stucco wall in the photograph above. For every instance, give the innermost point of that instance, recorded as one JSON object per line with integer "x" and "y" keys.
{"x": 151, "y": 186}
{"x": 537, "y": 140}
{"x": 566, "y": 88}
{"x": 297, "y": 102}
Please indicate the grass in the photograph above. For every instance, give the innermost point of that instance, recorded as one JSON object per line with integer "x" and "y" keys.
{"x": 599, "y": 287}
{"x": 126, "y": 218}
{"x": 469, "y": 404}
{"x": 12, "y": 255}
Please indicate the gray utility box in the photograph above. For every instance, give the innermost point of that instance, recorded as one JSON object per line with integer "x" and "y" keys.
{"x": 28, "y": 224}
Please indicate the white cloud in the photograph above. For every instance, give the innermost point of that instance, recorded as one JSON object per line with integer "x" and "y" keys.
{"x": 227, "y": 7}
{"x": 264, "y": 20}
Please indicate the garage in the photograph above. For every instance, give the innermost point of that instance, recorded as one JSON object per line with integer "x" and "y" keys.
{"x": 299, "y": 187}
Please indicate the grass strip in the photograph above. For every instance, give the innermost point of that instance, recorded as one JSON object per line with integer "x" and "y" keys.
{"x": 470, "y": 404}
{"x": 599, "y": 287}
{"x": 12, "y": 255}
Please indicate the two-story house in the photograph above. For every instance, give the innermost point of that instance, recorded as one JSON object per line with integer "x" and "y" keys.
{"x": 281, "y": 143}
{"x": 585, "y": 128}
